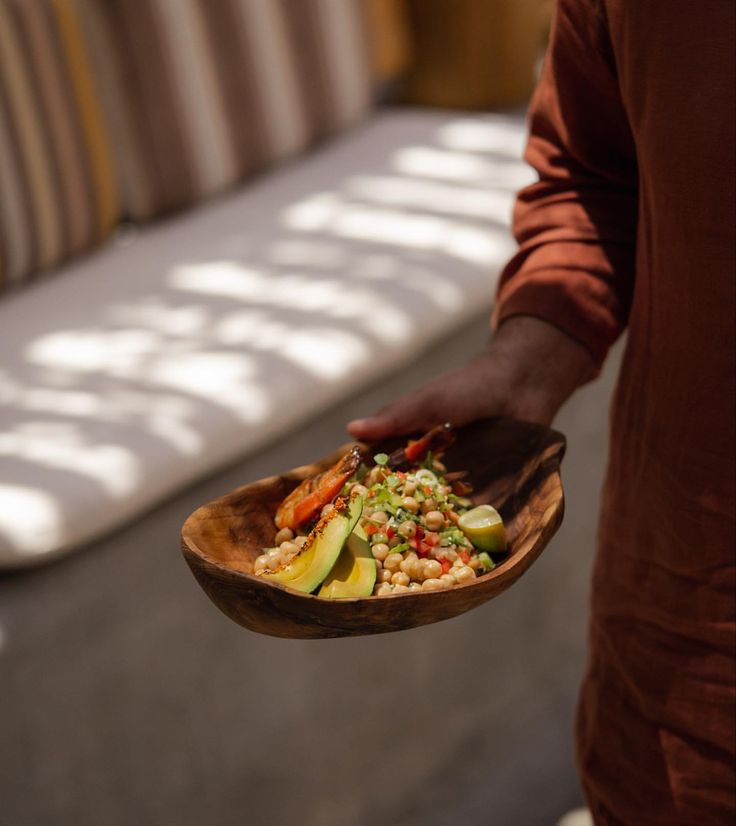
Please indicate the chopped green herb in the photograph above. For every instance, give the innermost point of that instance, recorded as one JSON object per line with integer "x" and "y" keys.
{"x": 380, "y": 458}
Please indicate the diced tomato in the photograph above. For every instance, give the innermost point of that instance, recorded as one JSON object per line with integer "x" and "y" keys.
{"x": 419, "y": 533}
{"x": 391, "y": 532}
{"x": 371, "y": 493}
{"x": 465, "y": 556}
{"x": 371, "y": 529}
{"x": 431, "y": 538}
{"x": 424, "y": 548}
{"x": 410, "y": 451}
{"x": 453, "y": 516}
{"x": 413, "y": 543}
{"x": 446, "y": 565}
{"x": 427, "y": 489}
{"x": 422, "y": 552}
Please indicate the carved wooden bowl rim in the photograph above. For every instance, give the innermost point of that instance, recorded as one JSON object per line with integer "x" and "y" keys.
{"x": 275, "y": 609}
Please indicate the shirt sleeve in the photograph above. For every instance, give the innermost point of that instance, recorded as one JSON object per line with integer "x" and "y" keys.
{"x": 576, "y": 226}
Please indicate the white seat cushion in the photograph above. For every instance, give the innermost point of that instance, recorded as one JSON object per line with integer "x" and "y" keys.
{"x": 186, "y": 344}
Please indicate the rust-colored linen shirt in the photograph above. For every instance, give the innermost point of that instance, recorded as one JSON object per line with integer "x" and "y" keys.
{"x": 632, "y": 223}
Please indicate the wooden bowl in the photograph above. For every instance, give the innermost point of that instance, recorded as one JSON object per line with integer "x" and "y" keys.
{"x": 513, "y": 465}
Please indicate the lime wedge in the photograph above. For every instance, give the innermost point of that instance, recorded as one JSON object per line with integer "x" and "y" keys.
{"x": 483, "y": 526}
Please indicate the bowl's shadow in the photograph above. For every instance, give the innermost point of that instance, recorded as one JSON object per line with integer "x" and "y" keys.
{"x": 513, "y": 465}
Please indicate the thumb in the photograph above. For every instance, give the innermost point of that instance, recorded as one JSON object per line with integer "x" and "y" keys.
{"x": 403, "y": 416}
{"x": 413, "y": 412}
{"x": 376, "y": 427}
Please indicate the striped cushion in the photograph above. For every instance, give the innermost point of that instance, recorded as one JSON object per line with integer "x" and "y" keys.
{"x": 204, "y": 92}
{"x": 58, "y": 192}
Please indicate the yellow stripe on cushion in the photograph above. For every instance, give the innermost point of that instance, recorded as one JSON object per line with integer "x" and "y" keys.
{"x": 29, "y": 132}
{"x": 65, "y": 140}
{"x": 95, "y": 133}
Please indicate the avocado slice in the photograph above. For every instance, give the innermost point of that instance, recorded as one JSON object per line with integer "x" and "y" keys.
{"x": 354, "y": 574}
{"x": 308, "y": 569}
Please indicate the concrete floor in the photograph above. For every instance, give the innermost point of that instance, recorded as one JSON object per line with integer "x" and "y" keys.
{"x": 127, "y": 698}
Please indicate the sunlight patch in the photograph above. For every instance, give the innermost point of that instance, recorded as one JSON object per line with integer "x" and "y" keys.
{"x": 428, "y": 162}
{"x": 434, "y": 197}
{"x": 497, "y": 136}
{"x": 65, "y": 447}
{"x": 30, "y": 520}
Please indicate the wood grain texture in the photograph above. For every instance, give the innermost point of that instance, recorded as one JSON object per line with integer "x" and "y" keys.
{"x": 514, "y": 466}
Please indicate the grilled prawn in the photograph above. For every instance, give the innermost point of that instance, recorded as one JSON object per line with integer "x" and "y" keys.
{"x": 307, "y": 500}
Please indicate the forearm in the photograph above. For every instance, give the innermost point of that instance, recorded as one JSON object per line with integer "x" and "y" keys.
{"x": 542, "y": 359}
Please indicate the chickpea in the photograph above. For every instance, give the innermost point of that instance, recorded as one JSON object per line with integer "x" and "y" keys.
{"x": 300, "y": 541}
{"x": 451, "y": 554}
{"x": 431, "y": 569}
{"x": 410, "y": 565}
{"x": 284, "y": 535}
{"x": 261, "y": 564}
{"x": 379, "y": 517}
{"x": 416, "y": 571}
{"x": 432, "y": 584}
{"x": 410, "y": 488}
{"x": 380, "y": 551}
{"x": 434, "y": 520}
{"x": 360, "y": 490}
{"x": 400, "y": 578}
{"x": 379, "y": 566}
{"x": 415, "y": 586}
{"x": 392, "y": 562}
{"x": 475, "y": 563}
{"x": 288, "y": 549}
{"x": 407, "y": 528}
{"x": 379, "y": 539}
{"x": 409, "y": 503}
{"x": 384, "y": 589}
{"x": 429, "y": 505}
{"x": 464, "y": 574}
{"x": 449, "y": 580}
{"x": 273, "y": 558}
{"x": 395, "y": 540}
{"x": 458, "y": 562}
{"x": 400, "y": 589}
{"x": 375, "y": 475}
{"x": 384, "y": 575}
{"x": 328, "y": 508}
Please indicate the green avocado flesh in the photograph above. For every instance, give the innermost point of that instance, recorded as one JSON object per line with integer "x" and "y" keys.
{"x": 354, "y": 574}
{"x": 309, "y": 568}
